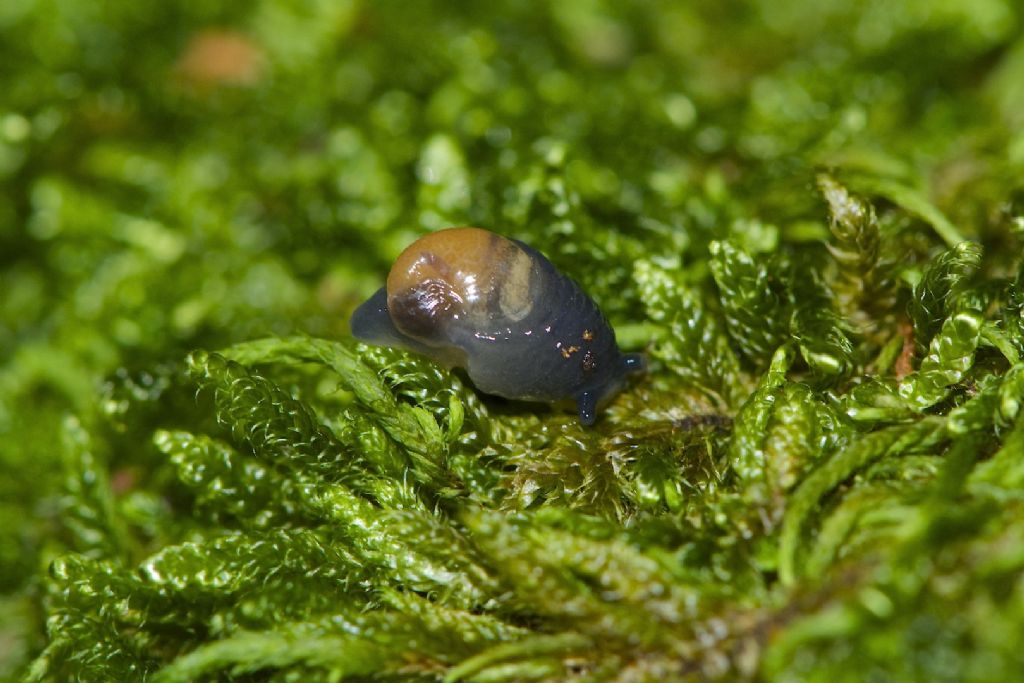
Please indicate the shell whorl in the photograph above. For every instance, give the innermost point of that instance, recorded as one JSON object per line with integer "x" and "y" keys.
{"x": 459, "y": 276}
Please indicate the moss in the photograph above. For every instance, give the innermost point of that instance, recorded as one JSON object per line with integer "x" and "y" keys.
{"x": 809, "y": 215}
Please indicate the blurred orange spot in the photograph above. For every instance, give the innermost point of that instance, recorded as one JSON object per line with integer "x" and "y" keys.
{"x": 905, "y": 362}
{"x": 220, "y": 57}
{"x": 124, "y": 480}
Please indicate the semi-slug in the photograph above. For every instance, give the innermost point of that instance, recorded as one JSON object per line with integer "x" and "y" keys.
{"x": 470, "y": 298}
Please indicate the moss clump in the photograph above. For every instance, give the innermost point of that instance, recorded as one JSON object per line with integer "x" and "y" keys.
{"x": 808, "y": 214}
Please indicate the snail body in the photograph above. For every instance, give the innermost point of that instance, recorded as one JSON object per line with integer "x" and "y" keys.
{"x": 470, "y": 298}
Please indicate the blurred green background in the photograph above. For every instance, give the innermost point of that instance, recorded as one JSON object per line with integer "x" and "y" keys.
{"x": 177, "y": 175}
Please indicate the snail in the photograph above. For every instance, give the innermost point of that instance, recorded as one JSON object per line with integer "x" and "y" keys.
{"x": 470, "y": 298}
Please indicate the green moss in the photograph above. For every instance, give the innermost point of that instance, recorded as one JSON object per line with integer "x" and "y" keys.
{"x": 808, "y": 214}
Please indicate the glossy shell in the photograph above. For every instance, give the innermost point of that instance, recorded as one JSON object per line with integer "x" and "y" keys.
{"x": 471, "y": 298}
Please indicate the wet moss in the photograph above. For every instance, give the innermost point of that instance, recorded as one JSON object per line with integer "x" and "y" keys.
{"x": 809, "y": 215}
